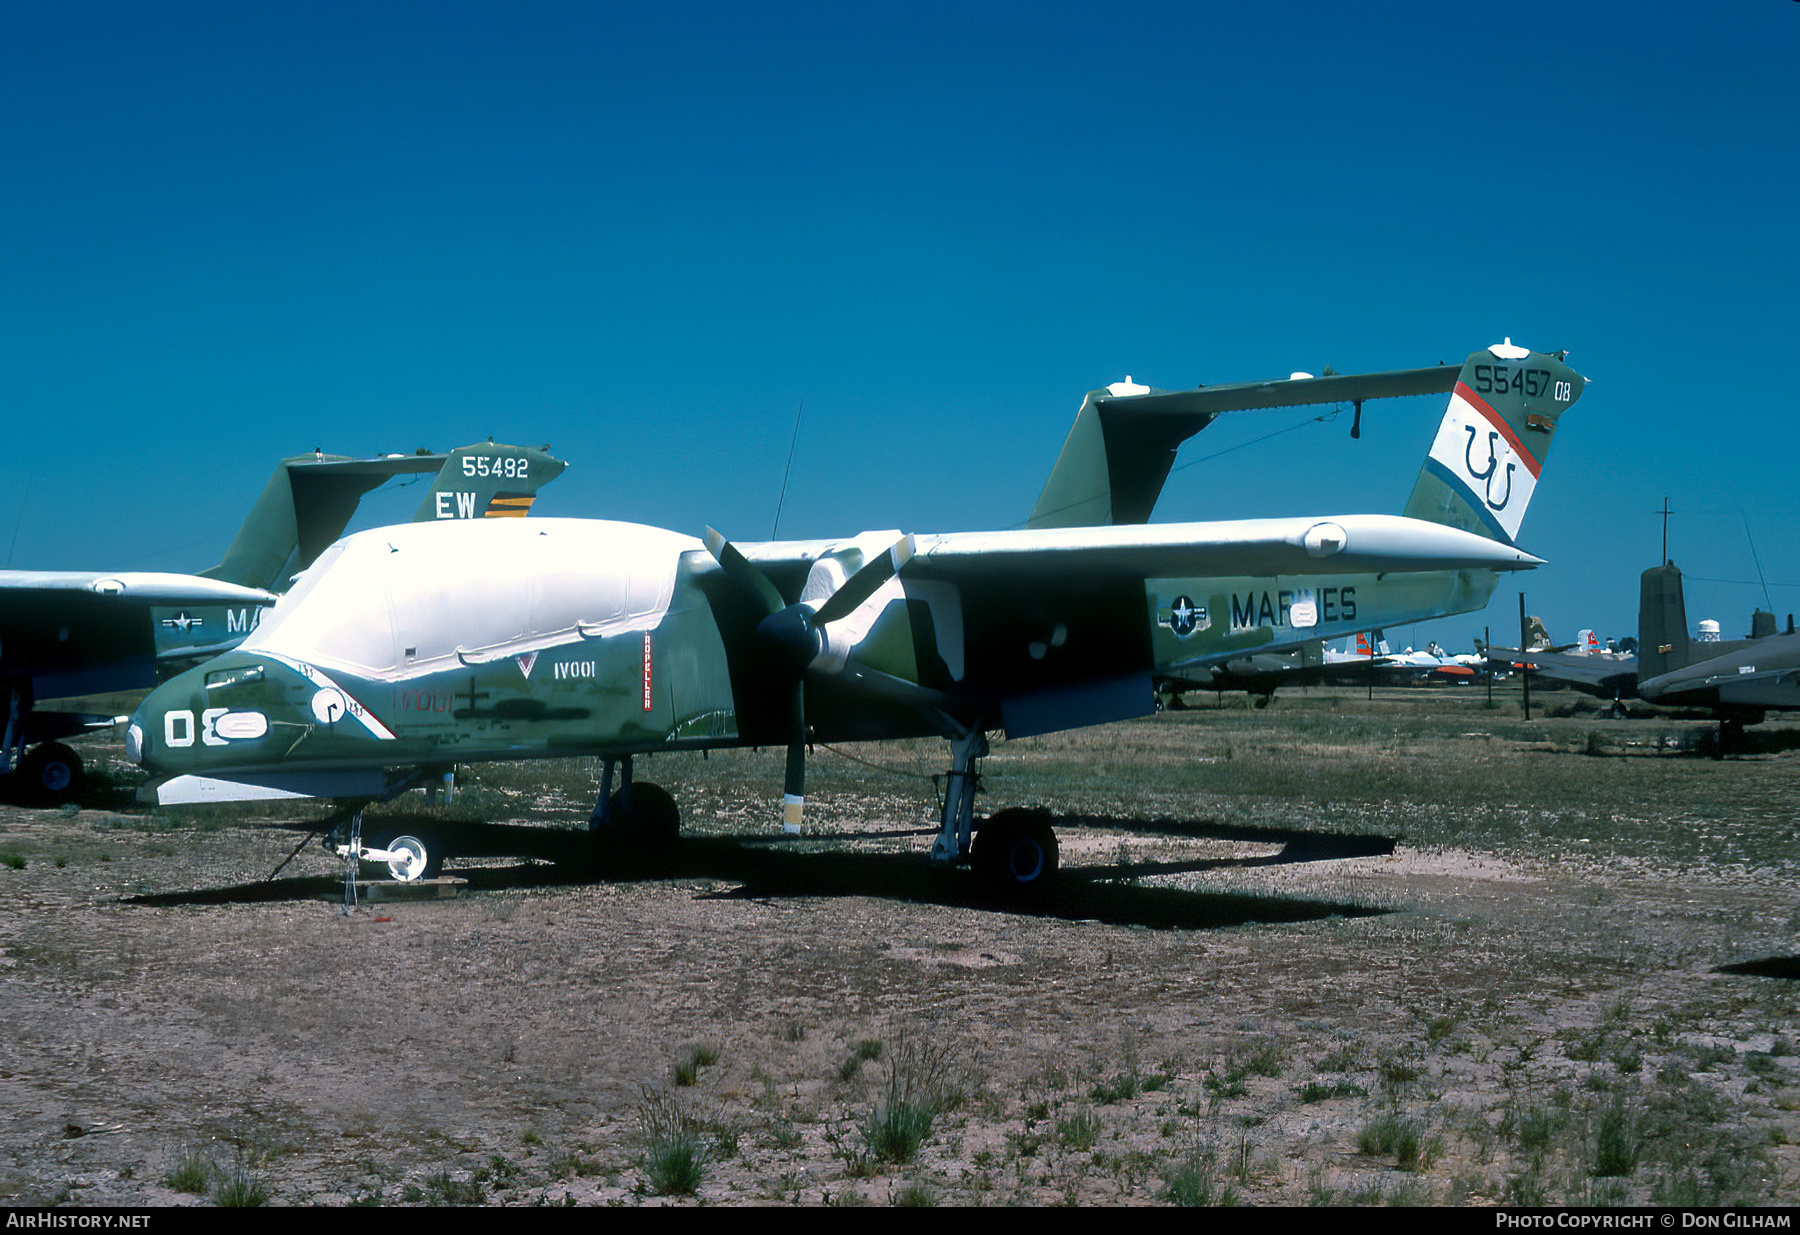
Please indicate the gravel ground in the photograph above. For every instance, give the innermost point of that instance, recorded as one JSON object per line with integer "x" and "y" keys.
{"x": 1190, "y": 1017}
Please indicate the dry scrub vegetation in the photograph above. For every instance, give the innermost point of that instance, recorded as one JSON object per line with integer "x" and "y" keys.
{"x": 1411, "y": 950}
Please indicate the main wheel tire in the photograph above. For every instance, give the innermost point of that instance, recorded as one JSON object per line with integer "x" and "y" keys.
{"x": 1016, "y": 850}
{"x": 50, "y": 772}
{"x": 653, "y": 822}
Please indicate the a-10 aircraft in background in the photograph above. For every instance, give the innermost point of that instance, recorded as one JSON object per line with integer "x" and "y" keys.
{"x": 69, "y": 639}
{"x": 406, "y": 651}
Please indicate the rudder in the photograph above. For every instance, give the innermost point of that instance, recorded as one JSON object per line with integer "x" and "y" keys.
{"x": 488, "y": 481}
{"x": 1489, "y": 450}
{"x": 1662, "y": 622}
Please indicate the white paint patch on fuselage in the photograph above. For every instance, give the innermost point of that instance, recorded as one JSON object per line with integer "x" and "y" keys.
{"x": 402, "y": 602}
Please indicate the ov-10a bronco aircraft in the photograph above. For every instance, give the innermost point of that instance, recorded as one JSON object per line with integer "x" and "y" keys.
{"x": 407, "y": 650}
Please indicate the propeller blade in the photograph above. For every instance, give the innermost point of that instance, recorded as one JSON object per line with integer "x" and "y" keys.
{"x": 865, "y": 582}
{"x": 798, "y": 630}
{"x": 739, "y": 570}
{"x": 793, "y": 787}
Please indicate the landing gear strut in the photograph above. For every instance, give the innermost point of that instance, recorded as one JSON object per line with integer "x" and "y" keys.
{"x": 409, "y": 858}
{"x": 958, "y": 831}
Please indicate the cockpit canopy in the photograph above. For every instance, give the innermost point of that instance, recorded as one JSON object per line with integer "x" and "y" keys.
{"x": 401, "y": 600}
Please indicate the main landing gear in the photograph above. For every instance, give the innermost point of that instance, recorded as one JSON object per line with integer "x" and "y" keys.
{"x": 643, "y": 813}
{"x": 50, "y": 772}
{"x": 1013, "y": 851}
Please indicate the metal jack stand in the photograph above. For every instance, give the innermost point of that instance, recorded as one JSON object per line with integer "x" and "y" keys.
{"x": 352, "y": 859}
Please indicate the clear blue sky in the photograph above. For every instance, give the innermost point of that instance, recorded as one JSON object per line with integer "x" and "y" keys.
{"x": 238, "y": 231}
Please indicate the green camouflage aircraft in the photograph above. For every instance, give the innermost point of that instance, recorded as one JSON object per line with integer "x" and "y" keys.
{"x": 405, "y": 651}
{"x": 70, "y": 639}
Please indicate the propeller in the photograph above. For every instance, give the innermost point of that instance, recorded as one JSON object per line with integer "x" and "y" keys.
{"x": 798, "y": 634}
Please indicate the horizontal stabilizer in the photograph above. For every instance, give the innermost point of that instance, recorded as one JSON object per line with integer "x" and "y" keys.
{"x": 1123, "y": 443}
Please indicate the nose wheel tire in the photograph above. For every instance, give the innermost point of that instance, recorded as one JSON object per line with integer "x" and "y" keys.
{"x": 407, "y": 859}
{"x": 1015, "y": 850}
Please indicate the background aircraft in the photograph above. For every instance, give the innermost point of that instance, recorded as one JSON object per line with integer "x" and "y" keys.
{"x": 405, "y": 651}
{"x": 1738, "y": 681}
{"x": 69, "y": 639}
{"x": 1261, "y": 675}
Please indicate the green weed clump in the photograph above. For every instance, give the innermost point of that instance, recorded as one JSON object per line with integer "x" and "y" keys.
{"x": 1079, "y": 1131}
{"x": 895, "y": 1130}
{"x": 1404, "y": 1138}
{"x": 1194, "y": 1182}
{"x": 676, "y": 1166}
{"x": 675, "y": 1154}
{"x": 1123, "y": 1085}
{"x": 443, "y": 1188}
{"x": 1618, "y": 1143}
{"x": 243, "y": 1188}
{"x": 191, "y": 1173}
{"x": 922, "y": 1082}
{"x": 1319, "y": 1091}
{"x": 862, "y": 1051}
{"x": 915, "y": 1196}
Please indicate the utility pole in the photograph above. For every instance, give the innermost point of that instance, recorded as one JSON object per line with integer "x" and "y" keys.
{"x": 1526, "y": 672}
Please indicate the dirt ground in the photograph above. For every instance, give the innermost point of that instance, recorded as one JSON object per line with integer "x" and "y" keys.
{"x": 1198, "y": 1013}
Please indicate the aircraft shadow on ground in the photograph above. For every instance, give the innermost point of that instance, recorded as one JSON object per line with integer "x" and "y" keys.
{"x": 1765, "y": 967}
{"x": 765, "y": 871}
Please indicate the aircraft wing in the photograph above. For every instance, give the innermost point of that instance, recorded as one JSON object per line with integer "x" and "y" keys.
{"x": 1288, "y": 392}
{"x": 1766, "y": 673}
{"x": 1597, "y": 675}
{"x": 126, "y": 587}
{"x": 75, "y": 632}
{"x": 1351, "y": 544}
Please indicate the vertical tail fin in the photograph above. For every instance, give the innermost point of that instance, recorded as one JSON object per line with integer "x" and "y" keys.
{"x": 310, "y": 500}
{"x": 1490, "y": 446}
{"x": 1662, "y": 622}
{"x": 488, "y": 481}
{"x": 306, "y": 503}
